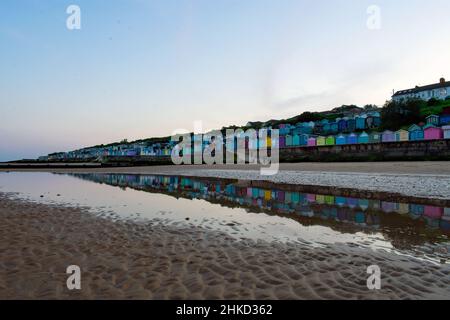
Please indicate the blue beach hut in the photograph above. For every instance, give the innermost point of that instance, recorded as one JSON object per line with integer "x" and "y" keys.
{"x": 363, "y": 138}
{"x": 341, "y": 139}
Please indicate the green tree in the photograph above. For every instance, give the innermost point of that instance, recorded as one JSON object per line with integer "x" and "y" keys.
{"x": 395, "y": 115}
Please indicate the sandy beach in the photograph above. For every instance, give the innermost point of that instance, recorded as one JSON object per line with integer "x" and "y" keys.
{"x": 130, "y": 260}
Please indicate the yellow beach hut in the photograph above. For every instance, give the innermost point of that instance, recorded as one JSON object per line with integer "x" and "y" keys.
{"x": 402, "y": 135}
{"x": 320, "y": 141}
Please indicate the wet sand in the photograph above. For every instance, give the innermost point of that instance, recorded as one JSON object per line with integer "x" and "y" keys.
{"x": 130, "y": 260}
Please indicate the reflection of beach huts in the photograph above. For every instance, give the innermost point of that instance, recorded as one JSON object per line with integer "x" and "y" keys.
{"x": 446, "y": 132}
{"x": 430, "y": 132}
{"x": 433, "y": 212}
{"x": 415, "y": 133}
{"x": 363, "y": 138}
{"x": 330, "y": 141}
{"x": 388, "y": 136}
{"x": 416, "y": 209}
{"x": 402, "y": 135}
{"x": 341, "y": 201}
{"x": 341, "y": 139}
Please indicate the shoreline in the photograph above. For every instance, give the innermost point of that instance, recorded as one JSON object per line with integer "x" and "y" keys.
{"x": 422, "y": 181}
{"x": 130, "y": 260}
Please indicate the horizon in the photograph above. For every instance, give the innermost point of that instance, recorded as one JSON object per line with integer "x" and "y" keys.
{"x": 135, "y": 68}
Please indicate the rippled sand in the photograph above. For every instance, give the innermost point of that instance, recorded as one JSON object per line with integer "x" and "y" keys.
{"x": 129, "y": 260}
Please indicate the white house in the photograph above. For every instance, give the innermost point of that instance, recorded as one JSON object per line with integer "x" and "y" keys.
{"x": 440, "y": 90}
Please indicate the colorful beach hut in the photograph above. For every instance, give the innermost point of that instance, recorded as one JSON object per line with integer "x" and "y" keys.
{"x": 374, "y": 137}
{"x": 444, "y": 119}
{"x": 330, "y": 141}
{"x": 311, "y": 142}
{"x": 320, "y": 141}
{"x": 361, "y": 122}
{"x": 415, "y": 133}
{"x": 446, "y": 130}
{"x": 402, "y": 135}
{"x": 282, "y": 141}
{"x": 430, "y": 132}
{"x": 433, "y": 119}
{"x": 342, "y": 125}
{"x": 341, "y": 139}
{"x": 288, "y": 140}
{"x": 352, "y": 138}
{"x": 363, "y": 138}
{"x": 351, "y": 125}
{"x": 388, "y": 136}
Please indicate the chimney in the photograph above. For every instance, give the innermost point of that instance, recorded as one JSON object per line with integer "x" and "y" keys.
{"x": 442, "y": 80}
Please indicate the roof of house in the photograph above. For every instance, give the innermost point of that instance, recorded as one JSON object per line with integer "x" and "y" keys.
{"x": 423, "y": 88}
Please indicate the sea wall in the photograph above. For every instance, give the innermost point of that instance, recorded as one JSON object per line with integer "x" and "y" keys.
{"x": 405, "y": 150}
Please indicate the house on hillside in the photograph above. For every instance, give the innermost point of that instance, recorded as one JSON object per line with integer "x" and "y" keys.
{"x": 440, "y": 91}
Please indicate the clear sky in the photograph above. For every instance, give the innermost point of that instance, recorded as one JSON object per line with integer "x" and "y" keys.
{"x": 142, "y": 68}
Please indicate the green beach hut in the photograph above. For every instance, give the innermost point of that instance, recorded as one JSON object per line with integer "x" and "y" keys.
{"x": 375, "y": 137}
{"x": 330, "y": 141}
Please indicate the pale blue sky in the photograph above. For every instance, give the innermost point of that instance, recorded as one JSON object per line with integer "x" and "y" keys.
{"x": 141, "y": 68}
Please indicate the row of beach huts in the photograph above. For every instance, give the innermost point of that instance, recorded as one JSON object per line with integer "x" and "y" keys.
{"x": 359, "y": 129}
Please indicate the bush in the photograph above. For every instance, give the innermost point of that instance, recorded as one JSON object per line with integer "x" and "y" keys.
{"x": 433, "y": 102}
{"x": 395, "y": 115}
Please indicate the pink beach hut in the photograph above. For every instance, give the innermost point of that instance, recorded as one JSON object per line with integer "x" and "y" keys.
{"x": 431, "y": 132}
{"x": 311, "y": 142}
{"x": 433, "y": 212}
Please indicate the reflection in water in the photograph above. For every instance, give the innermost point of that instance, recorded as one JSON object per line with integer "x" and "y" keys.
{"x": 248, "y": 210}
{"x": 405, "y": 225}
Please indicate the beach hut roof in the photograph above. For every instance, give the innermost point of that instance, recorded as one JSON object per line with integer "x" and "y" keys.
{"x": 428, "y": 126}
{"x": 387, "y": 132}
{"x": 414, "y": 127}
{"x": 432, "y": 116}
{"x": 445, "y": 127}
{"x": 363, "y": 134}
{"x": 402, "y": 130}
